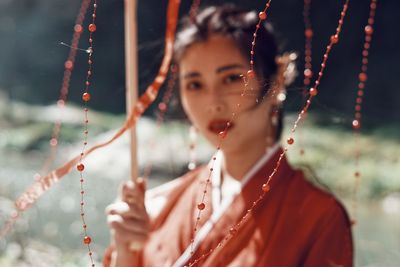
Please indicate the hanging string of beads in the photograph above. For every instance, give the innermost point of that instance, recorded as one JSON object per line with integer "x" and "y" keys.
{"x": 68, "y": 68}
{"x": 87, "y": 240}
{"x": 62, "y": 99}
{"x": 194, "y": 8}
{"x": 266, "y": 186}
{"x": 308, "y": 74}
{"x": 356, "y": 123}
{"x": 222, "y": 135}
{"x": 162, "y": 109}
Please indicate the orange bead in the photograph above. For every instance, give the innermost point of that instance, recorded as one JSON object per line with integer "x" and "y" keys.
{"x": 78, "y": 28}
{"x": 356, "y": 124}
{"x": 92, "y": 27}
{"x": 368, "y": 30}
{"x": 250, "y": 74}
{"x": 308, "y": 33}
{"x": 262, "y": 15}
{"x": 335, "y": 39}
{"x": 232, "y": 231}
{"x": 362, "y": 77}
{"x": 68, "y": 65}
{"x": 308, "y": 73}
{"x": 265, "y": 188}
{"x": 162, "y": 106}
{"x": 87, "y": 240}
{"x": 80, "y": 167}
{"x": 201, "y": 206}
{"x": 313, "y": 91}
{"x": 223, "y": 134}
{"x": 86, "y": 97}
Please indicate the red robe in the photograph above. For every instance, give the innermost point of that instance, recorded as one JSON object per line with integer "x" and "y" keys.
{"x": 296, "y": 224}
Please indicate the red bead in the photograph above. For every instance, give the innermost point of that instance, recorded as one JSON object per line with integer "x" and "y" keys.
{"x": 86, "y": 97}
{"x": 162, "y": 107}
{"x": 201, "y": 206}
{"x": 313, "y": 91}
{"x": 232, "y": 231}
{"x": 290, "y": 141}
{"x": 68, "y": 65}
{"x": 92, "y": 27}
{"x": 335, "y": 39}
{"x": 308, "y": 73}
{"x": 250, "y": 74}
{"x": 223, "y": 134}
{"x": 80, "y": 167}
{"x": 78, "y": 28}
{"x": 53, "y": 142}
{"x": 265, "y": 188}
{"x": 368, "y": 30}
{"x": 87, "y": 240}
{"x": 362, "y": 76}
{"x": 356, "y": 124}
{"x": 262, "y": 15}
{"x": 308, "y": 33}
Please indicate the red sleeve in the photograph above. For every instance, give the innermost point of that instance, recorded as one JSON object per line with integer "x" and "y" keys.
{"x": 333, "y": 245}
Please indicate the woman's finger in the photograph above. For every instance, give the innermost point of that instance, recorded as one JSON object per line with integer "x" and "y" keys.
{"x": 127, "y": 211}
{"x": 122, "y": 234}
{"x": 133, "y": 192}
{"x": 136, "y": 226}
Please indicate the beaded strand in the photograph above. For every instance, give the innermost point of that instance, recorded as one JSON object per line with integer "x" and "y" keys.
{"x": 87, "y": 240}
{"x": 162, "y": 109}
{"x": 356, "y": 123}
{"x": 307, "y": 73}
{"x": 62, "y": 99}
{"x": 222, "y": 135}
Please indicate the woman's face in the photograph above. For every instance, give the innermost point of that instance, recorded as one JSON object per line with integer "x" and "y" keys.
{"x": 211, "y": 85}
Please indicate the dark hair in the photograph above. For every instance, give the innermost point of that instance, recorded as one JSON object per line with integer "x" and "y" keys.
{"x": 239, "y": 25}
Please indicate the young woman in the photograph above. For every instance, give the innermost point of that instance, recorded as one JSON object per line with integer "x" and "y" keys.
{"x": 296, "y": 224}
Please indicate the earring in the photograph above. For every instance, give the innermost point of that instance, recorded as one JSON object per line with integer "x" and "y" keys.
{"x": 192, "y": 147}
{"x": 275, "y": 116}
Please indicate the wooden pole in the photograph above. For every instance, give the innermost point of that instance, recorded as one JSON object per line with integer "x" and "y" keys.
{"x": 131, "y": 75}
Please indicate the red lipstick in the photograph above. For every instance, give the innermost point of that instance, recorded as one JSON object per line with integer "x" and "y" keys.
{"x": 219, "y": 125}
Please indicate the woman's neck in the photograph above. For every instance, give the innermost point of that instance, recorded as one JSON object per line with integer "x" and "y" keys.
{"x": 237, "y": 164}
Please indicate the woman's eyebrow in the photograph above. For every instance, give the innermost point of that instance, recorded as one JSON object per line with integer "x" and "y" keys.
{"x": 229, "y": 67}
{"x": 193, "y": 74}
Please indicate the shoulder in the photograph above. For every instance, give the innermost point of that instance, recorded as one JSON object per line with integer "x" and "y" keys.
{"x": 316, "y": 203}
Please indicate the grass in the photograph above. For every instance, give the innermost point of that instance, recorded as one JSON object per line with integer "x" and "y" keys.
{"x": 52, "y": 227}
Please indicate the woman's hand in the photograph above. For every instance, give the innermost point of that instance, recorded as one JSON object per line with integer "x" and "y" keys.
{"x": 128, "y": 220}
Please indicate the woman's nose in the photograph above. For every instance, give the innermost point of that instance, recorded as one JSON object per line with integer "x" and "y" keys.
{"x": 215, "y": 104}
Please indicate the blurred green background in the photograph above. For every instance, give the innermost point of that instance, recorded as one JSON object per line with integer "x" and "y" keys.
{"x": 31, "y": 67}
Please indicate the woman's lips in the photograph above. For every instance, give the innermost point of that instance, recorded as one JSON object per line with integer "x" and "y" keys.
{"x": 217, "y": 126}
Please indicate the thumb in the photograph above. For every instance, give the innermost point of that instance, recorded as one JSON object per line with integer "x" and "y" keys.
{"x": 141, "y": 184}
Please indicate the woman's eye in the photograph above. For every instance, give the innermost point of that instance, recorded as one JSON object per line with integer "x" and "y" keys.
{"x": 233, "y": 78}
{"x": 193, "y": 85}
